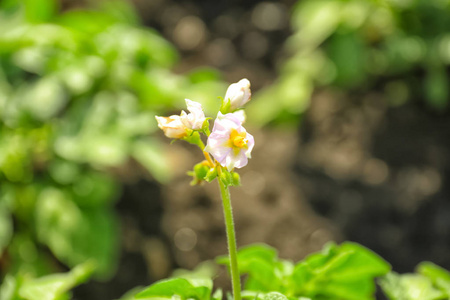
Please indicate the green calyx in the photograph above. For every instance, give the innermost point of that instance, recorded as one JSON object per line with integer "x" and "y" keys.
{"x": 203, "y": 172}
{"x": 230, "y": 178}
{"x": 199, "y": 173}
{"x": 226, "y": 106}
{"x": 193, "y": 137}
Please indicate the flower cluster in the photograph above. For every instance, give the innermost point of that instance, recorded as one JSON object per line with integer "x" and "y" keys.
{"x": 229, "y": 143}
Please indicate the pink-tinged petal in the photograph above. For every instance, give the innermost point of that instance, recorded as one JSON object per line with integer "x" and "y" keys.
{"x": 240, "y": 115}
{"x": 222, "y": 156}
{"x": 250, "y": 145}
{"x": 217, "y": 141}
{"x": 224, "y": 123}
{"x": 229, "y": 143}
{"x": 237, "y": 161}
{"x": 195, "y": 119}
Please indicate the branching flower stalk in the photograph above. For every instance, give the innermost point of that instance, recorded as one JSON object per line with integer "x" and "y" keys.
{"x": 229, "y": 144}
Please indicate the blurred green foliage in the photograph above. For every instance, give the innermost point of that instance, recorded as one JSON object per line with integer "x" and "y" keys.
{"x": 337, "y": 272}
{"x": 398, "y": 47}
{"x": 50, "y": 287}
{"x": 430, "y": 282}
{"x": 78, "y": 94}
{"x": 346, "y": 271}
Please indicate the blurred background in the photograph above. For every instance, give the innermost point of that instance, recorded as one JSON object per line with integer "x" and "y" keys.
{"x": 349, "y": 112}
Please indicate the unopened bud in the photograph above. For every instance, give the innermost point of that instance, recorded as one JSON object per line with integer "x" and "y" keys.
{"x": 200, "y": 170}
{"x": 237, "y": 95}
{"x": 211, "y": 175}
{"x": 236, "y": 179}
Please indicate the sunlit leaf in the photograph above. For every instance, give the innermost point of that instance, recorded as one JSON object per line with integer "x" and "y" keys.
{"x": 410, "y": 287}
{"x": 439, "y": 276}
{"x": 176, "y": 287}
{"x": 275, "y": 296}
{"x": 52, "y": 287}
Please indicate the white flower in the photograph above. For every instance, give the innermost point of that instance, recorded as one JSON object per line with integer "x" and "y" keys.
{"x": 195, "y": 119}
{"x": 229, "y": 143}
{"x": 240, "y": 114}
{"x": 238, "y": 94}
{"x": 172, "y": 126}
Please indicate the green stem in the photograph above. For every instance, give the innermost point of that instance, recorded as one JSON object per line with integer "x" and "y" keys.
{"x": 232, "y": 250}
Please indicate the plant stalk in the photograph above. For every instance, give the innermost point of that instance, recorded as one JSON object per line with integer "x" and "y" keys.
{"x": 232, "y": 250}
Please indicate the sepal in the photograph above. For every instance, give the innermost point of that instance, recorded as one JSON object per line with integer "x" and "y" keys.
{"x": 193, "y": 137}
{"x": 226, "y": 177}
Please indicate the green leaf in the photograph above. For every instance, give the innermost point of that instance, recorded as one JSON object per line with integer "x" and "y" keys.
{"x": 205, "y": 271}
{"x": 129, "y": 295}
{"x": 348, "y": 53}
{"x": 410, "y": 287}
{"x": 40, "y": 10}
{"x": 45, "y": 98}
{"x": 26, "y": 258}
{"x": 275, "y": 296}
{"x": 9, "y": 288}
{"x": 359, "y": 262}
{"x": 121, "y": 11}
{"x": 349, "y": 290}
{"x": 265, "y": 271}
{"x": 346, "y": 271}
{"x": 94, "y": 190}
{"x": 203, "y": 74}
{"x": 166, "y": 288}
{"x": 53, "y": 286}
{"x": 182, "y": 287}
{"x": 218, "y": 295}
{"x": 439, "y": 276}
{"x": 82, "y": 21}
{"x": 247, "y": 254}
{"x": 316, "y": 21}
{"x": 75, "y": 235}
{"x": 262, "y": 276}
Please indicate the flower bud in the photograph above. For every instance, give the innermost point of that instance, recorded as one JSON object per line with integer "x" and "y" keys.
{"x": 236, "y": 179}
{"x": 200, "y": 170}
{"x": 211, "y": 175}
{"x": 172, "y": 126}
{"x": 237, "y": 95}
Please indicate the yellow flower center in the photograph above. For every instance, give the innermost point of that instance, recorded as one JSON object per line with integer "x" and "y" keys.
{"x": 237, "y": 139}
